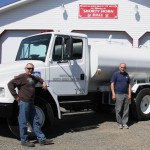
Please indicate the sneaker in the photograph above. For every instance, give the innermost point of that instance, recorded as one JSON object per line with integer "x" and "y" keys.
{"x": 120, "y": 126}
{"x": 46, "y": 142}
{"x": 28, "y": 144}
{"x": 125, "y": 126}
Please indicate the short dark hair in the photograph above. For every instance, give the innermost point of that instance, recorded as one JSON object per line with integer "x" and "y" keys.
{"x": 29, "y": 64}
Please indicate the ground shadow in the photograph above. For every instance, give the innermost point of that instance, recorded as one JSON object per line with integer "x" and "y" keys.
{"x": 72, "y": 123}
{"x": 79, "y": 123}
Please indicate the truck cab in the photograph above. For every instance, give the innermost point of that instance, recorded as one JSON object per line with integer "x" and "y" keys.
{"x": 64, "y": 56}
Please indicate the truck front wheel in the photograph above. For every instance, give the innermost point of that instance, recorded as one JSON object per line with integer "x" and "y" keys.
{"x": 141, "y": 106}
{"x": 46, "y": 118}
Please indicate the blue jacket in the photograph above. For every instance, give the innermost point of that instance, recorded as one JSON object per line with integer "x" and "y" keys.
{"x": 121, "y": 82}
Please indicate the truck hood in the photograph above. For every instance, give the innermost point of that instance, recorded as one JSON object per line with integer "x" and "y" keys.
{"x": 9, "y": 70}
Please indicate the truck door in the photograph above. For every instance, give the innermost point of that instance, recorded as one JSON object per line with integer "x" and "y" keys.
{"x": 68, "y": 74}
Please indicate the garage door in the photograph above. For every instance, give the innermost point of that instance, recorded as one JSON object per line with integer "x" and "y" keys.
{"x": 144, "y": 41}
{"x": 115, "y": 37}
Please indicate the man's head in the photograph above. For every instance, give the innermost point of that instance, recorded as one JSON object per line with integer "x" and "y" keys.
{"x": 122, "y": 67}
{"x": 29, "y": 68}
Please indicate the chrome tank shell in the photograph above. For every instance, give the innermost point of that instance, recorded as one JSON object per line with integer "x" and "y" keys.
{"x": 106, "y": 57}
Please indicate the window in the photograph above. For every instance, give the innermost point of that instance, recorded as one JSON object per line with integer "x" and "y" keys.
{"x": 60, "y": 53}
{"x": 77, "y": 49}
{"x": 57, "y": 51}
{"x": 34, "y": 48}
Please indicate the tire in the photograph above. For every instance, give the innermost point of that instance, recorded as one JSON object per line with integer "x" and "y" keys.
{"x": 45, "y": 109}
{"x": 46, "y": 118}
{"x": 140, "y": 108}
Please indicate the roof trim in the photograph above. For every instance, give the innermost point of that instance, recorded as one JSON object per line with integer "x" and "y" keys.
{"x": 14, "y": 5}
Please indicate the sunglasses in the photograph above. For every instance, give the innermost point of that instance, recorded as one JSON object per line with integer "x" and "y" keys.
{"x": 30, "y": 68}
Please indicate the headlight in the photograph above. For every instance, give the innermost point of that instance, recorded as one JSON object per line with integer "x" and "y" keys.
{"x": 2, "y": 92}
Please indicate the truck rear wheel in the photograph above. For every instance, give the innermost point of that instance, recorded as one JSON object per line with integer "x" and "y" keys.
{"x": 141, "y": 106}
{"x": 46, "y": 118}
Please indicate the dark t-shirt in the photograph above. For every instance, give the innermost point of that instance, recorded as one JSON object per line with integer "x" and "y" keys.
{"x": 25, "y": 85}
{"x": 121, "y": 82}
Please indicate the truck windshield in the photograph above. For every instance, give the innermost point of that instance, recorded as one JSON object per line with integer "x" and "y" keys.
{"x": 34, "y": 48}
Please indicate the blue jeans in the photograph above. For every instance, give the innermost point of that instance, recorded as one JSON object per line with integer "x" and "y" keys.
{"x": 27, "y": 113}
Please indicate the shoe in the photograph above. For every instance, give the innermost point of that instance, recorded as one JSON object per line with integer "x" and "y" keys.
{"x": 120, "y": 126}
{"x": 45, "y": 142}
{"x": 28, "y": 144}
{"x": 125, "y": 126}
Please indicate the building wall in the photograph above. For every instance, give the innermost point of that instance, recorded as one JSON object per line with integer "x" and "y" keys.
{"x": 131, "y": 27}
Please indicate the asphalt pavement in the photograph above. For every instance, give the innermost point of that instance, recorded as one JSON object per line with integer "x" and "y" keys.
{"x": 86, "y": 132}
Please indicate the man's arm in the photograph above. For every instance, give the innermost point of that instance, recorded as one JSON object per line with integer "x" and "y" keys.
{"x": 129, "y": 92}
{"x": 113, "y": 90}
{"x": 11, "y": 86}
{"x": 44, "y": 86}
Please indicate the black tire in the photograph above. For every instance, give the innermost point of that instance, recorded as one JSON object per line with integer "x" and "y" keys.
{"x": 140, "y": 107}
{"x": 41, "y": 105}
{"x": 48, "y": 112}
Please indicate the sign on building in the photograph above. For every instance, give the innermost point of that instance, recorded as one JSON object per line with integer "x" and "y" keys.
{"x": 98, "y": 11}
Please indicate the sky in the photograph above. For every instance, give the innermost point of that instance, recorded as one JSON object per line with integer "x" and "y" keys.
{"x": 6, "y": 2}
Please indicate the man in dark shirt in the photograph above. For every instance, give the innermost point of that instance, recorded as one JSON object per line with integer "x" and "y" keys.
{"x": 121, "y": 92}
{"x": 25, "y": 83}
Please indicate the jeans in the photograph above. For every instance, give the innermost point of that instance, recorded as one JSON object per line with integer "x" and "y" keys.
{"x": 122, "y": 108}
{"x": 27, "y": 114}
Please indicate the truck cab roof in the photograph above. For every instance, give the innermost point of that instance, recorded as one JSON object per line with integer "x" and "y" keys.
{"x": 62, "y": 33}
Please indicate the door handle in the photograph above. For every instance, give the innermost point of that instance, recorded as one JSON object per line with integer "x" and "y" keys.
{"x": 82, "y": 76}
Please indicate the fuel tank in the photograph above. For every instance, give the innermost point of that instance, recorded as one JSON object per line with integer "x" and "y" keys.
{"x": 106, "y": 57}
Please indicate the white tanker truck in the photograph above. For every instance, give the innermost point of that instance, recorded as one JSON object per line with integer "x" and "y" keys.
{"x": 77, "y": 75}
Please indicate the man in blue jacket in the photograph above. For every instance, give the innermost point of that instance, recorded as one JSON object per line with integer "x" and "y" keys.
{"x": 121, "y": 93}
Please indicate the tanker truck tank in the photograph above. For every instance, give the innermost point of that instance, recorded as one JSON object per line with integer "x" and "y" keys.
{"x": 106, "y": 57}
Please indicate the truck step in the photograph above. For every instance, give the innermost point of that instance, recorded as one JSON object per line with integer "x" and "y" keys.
{"x": 77, "y": 113}
{"x": 71, "y": 102}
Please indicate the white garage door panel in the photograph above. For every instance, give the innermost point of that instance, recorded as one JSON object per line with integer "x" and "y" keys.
{"x": 117, "y": 37}
{"x": 144, "y": 41}
{"x": 10, "y": 43}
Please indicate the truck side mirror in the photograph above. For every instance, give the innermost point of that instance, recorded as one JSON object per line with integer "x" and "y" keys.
{"x": 69, "y": 47}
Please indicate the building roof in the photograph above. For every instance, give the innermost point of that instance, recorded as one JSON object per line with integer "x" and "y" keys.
{"x": 14, "y": 5}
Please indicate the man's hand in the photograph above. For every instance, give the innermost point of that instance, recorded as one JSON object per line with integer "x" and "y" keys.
{"x": 17, "y": 99}
{"x": 113, "y": 97}
{"x": 129, "y": 97}
{"x": 44, "y": 86}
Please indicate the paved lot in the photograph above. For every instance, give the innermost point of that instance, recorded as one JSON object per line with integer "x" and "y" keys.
{"x": 87, "y": 132}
